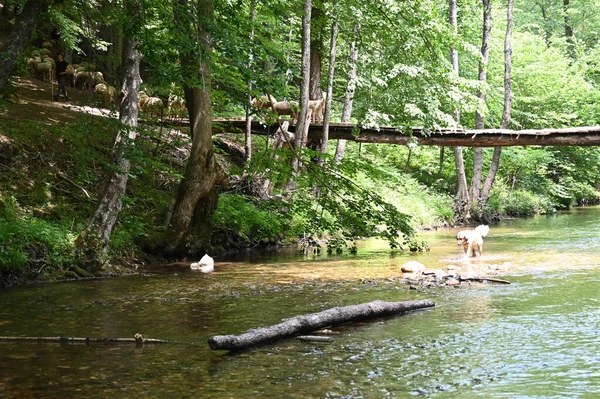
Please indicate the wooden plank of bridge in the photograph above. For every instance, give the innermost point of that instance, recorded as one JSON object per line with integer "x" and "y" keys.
{"x": 575, "y": 136}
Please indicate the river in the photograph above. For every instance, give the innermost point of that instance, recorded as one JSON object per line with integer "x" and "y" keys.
{"x": 535, "y": 338}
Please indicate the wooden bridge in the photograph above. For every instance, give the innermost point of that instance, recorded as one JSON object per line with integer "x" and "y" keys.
{"x": 576, "y": 136}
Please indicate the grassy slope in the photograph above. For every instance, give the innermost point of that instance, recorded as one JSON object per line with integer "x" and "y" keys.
{"x": 54, "y": 159}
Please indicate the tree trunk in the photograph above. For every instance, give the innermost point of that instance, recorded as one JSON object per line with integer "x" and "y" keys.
{"x": 481, "y": 94}
{"x": 568, "y": 30}
{"x": 19, "y": 37}
{"x": 304, "y": 91}
{"x": 462, "y": 203}
{"x": 202, "y": 172}
{"x": 248, "y": 137}
{"x": 506, "y": 113}
{"x": 305, "y": 323}
{"x": 442, "y": 160}
{"x": 317, "y": 50}
{"x": 489, "y": 181}
{"x": 93, "y": 241}
{"x": 349, "y": 98}
{"x": 332, "y": 51}
{"x": 317, "y": 24}
{"x": 546, "y": 22}
{"x": 196, "y": 196}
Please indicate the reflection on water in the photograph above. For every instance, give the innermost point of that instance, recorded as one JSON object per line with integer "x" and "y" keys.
{"x": 535, "y": 338}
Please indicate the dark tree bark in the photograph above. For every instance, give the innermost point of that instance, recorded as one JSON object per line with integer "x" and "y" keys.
{"x": 305, "y": 323}
{"x": 349, "y": 98}
{"x": 489, "y": 181}
{"x": 19, "y": 37}
{"x": 479, "y": 117}
{"x": 462, "y": 202}
{"x": 317, "y": 24}
{"x": 191, "y": 221}
{"x": 332, "y": 51}
{"x": 301, "y": 127}
{"x": 93, "y": 241}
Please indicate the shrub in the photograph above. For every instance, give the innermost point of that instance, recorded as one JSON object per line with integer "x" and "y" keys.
{"x": 519, "y": 203}
{"x": 29, "y": 244}
{"x": 238, "y": 213}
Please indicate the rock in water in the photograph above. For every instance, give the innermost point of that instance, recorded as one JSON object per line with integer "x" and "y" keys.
{"x": 412, "y": 267}
{"x": 205, "y": 265}
{"x": 452, "y": 282}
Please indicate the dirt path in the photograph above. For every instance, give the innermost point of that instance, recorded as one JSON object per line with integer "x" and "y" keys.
{"x": 36, "y": 103}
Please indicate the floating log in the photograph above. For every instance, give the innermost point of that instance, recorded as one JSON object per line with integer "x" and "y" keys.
{"x": 306, "y": 323}
{"x": 484, "y": 279}
{"x": 574, "y": 136}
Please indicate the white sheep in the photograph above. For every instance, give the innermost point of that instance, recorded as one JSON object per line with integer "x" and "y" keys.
{"x": 96, "y": 77}
{"x": 83, "y": 79}
{"x": 154, "y": 106}
{"x": 107, "y": 92}
{"x": 44, "y": 70}
{"x": 143, "y": 100}
{"x": 318, "y": 108}
{"x": 176, "y": 107}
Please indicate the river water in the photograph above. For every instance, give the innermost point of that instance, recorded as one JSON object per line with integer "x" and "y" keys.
{"x": 535, "y": 338}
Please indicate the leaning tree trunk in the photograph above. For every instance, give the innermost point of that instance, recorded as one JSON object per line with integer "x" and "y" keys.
{"x": 349, "y": 98}
{"x": 462, "y": 203}
{"x": 325, "y": 139}
{"x": 479, "y": 117}
{"x": 489, "y": 181}
{"x": 93, "y": 241}
{"x": 195, "y": 202}
{"x": 19, "y": 37}
{"x": 306, "y": 323}
{"x": 304, "y": 92}
{"x": 190, "y": 226}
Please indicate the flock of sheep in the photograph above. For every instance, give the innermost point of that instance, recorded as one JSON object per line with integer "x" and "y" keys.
{"x": 155, "y": 107}
{"x": 84, "y": 76}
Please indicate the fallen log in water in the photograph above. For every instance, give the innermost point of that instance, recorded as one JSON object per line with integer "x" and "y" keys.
{"x": 305, "y": 323}
{"x": 485, "y": 279}
{"x": 137, "y": 339}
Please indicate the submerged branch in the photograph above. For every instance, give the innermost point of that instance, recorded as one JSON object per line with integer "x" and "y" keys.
{"x": 137, "y": 339}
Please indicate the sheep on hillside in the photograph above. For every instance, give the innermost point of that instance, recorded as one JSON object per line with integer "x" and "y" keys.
{"x": 107, "y": 92}
{"x": 176, "y": 107}
{"x": 154, "y": 107}
{"x": 44, "y": 71}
